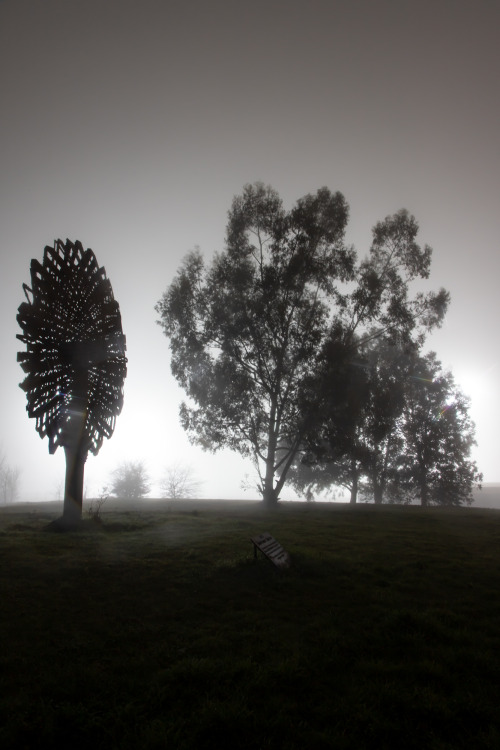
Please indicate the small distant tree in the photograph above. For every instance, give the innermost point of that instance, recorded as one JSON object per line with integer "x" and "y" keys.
{"x": 180, "y": 482}
{"x": 130, "y": 481}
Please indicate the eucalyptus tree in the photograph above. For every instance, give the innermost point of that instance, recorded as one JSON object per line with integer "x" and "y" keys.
{"x": 356, "y": 439}
{"x": 404, "y": 435}
{"x": 248, "y": 332}
{"x": 355, "y": 436}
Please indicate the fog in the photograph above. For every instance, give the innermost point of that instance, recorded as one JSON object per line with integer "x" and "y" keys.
{"x": 131, "y": 126}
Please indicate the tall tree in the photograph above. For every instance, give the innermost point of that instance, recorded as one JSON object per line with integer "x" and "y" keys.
{"x": 247, "y": 334}
{"x": 355, "y": 440}
{"x": 436, "y": 466}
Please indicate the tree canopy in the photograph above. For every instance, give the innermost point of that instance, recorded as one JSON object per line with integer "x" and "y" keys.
{"x": 356, "y": 434}
{"x": 130, "y": 481}
{"x": 248, "y": 332}
{"x": 436, "y": 466}
{"x": 403, "y": 433}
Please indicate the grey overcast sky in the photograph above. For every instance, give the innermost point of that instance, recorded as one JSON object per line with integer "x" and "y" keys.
{"x": 131, "y": 124}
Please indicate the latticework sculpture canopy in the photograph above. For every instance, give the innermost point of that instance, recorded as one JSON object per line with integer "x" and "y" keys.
{"x": 72, "y": 329}
{"x": 75, "y": 350}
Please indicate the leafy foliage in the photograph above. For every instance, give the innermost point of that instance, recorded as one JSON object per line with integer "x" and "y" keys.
{"x": 355, "y": 437}
{"x": 381, "y": 298}
{"x": 438, "y": 436}
{"x": 403, "y": 433}
{"x": 130, "y": 481}
{"x": 248, "y": 334}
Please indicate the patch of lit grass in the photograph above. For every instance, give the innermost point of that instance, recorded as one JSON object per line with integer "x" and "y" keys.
{"x": 159, "y": 629}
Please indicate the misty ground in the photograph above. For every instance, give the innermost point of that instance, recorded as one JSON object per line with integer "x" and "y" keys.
{"x": 157, "y": 628}
{"x": 487, "y": 497}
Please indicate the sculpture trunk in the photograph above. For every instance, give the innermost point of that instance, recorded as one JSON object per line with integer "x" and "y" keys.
{"x": 76, "y": 451}
{"x": 73, "y": 488}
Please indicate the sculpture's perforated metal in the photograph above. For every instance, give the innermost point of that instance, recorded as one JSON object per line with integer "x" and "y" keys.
{"x": 75, "y": 360}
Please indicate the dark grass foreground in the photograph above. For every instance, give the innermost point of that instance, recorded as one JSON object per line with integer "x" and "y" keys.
{"x": 159, "y": 630}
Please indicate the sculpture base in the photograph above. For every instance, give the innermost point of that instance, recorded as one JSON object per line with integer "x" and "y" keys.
{"x": 62, "y": 524}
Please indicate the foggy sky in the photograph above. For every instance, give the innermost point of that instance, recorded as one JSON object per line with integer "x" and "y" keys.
{"x": 131, "y": 124}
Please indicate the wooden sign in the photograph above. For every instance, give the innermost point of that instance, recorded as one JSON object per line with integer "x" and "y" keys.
{"x": 272, "y": 550}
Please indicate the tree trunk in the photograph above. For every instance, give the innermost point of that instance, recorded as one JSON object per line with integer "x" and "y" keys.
{"x": 269, "y": 494}
{"x": 270, "y": 497}
{"x": 422, "y": 482}
{"x": 424, "y": 494}
{"x": 354, "y": 486}
{"x": 378, "y": 493}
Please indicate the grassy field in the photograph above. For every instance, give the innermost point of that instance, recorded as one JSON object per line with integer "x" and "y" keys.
{"x": 158, "y": 629}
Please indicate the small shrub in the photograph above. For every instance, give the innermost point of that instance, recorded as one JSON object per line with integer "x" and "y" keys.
{"x": 94, "y": 509}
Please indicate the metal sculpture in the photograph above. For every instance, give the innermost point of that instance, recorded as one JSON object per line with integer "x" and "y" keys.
{"x": 75, "y": 359}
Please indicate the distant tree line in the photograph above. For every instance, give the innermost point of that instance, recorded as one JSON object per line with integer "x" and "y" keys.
{"x": 131, "y": 481}
{"x": 309, "y": 361}
{"x": 403, "y": 434}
